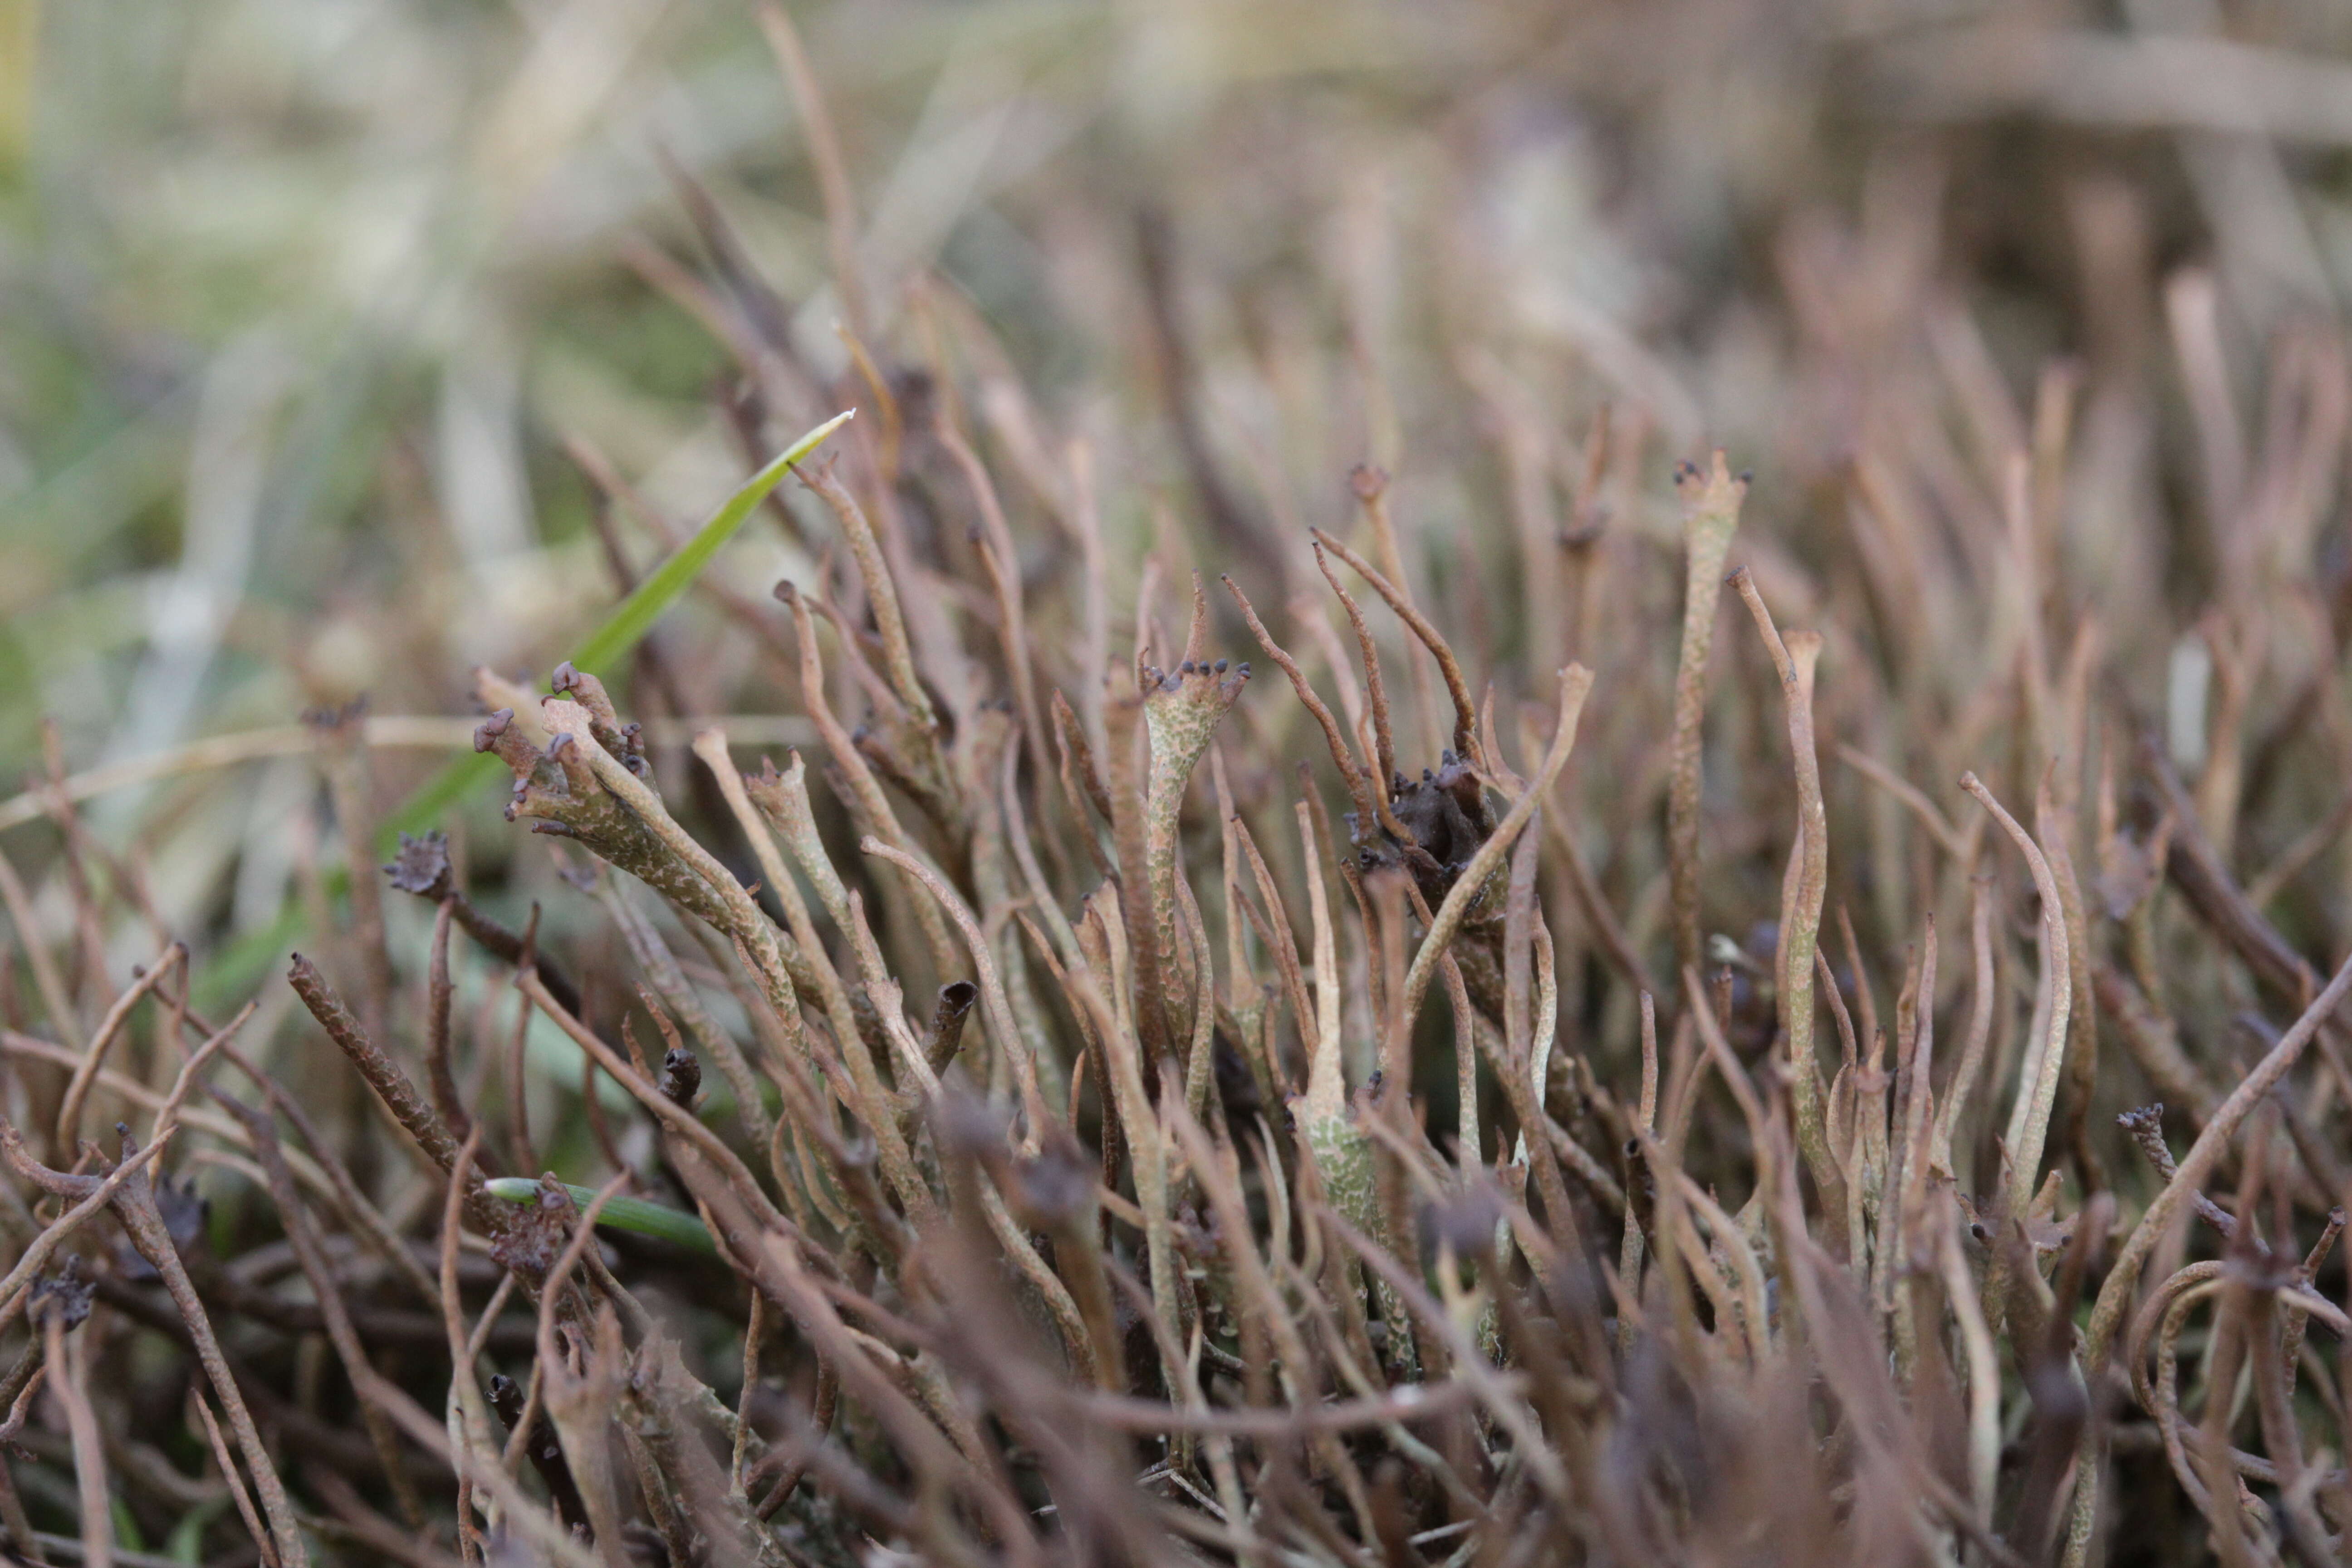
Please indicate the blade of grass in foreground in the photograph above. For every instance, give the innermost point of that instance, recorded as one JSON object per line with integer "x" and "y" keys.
{"x": 631, "y": 619}
{"x": 621, "y": 631}
{"x": 619, "y": 1214}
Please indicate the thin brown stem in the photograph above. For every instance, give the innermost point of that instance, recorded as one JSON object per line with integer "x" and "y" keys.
{"x": 1800, "y": 914}
{"x": 1359, "y": 789}
{"x": 1465, "y": 713}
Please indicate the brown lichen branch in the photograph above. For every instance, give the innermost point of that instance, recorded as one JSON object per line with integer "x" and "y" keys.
{"x": 1575, "y": 682}
{"x": 999, "y": 1011}
{"x": 133, "y": 1202}
{"x": 422, "y": 867}
{"x": 1711, "y": 502}
{"x": 1801, "y": 910}
{"x": 881, "y": 592}
{"x": 1181, "y": 710}
{"x": 311, "y": 1255}
{"x": 94, "y": 1056}
{"x": 2116, "y": 1289}
{"x": 89, "y": 1201}
{"x": 383, "y": 1074}
{"x": 71, "y": 1385}
{"x": 1465, "y": 713}
{"x": 2037, "y": 1087}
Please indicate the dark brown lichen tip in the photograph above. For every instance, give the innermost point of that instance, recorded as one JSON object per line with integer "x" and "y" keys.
{"x": 487, "y": 732}
{"x": 422, "y": 864}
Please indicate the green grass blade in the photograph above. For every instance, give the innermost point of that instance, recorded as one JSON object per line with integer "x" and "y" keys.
{"x": 631, "y": 619}
{"x": 636, "y": 614}
{"x": 620, "y": 1213}
{"x": 234, "y": 971}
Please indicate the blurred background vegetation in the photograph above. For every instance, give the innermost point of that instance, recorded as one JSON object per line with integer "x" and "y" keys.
{"x": 303, "y": 302}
